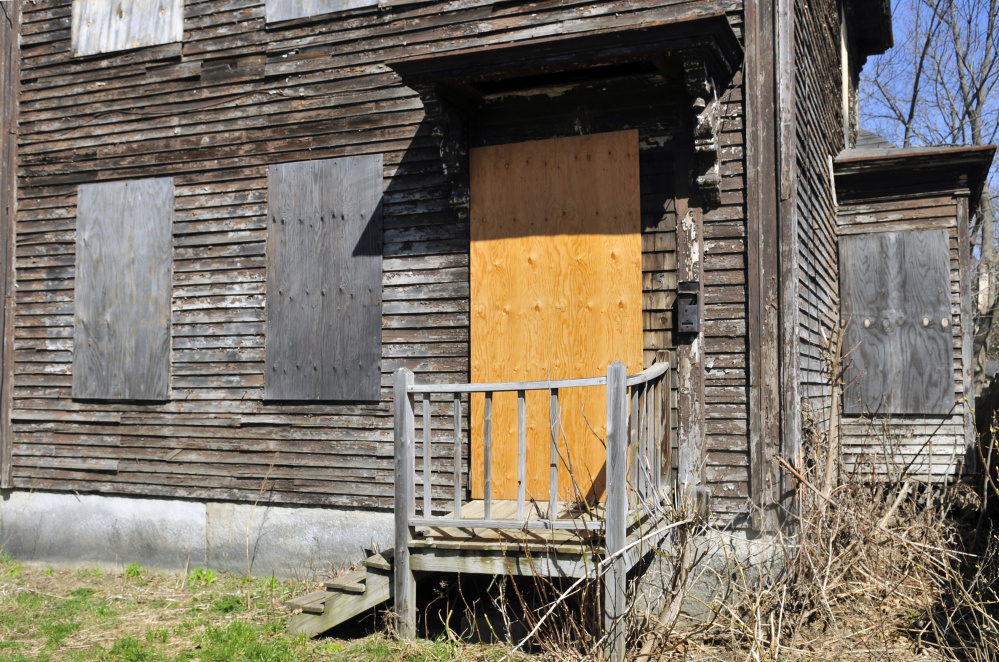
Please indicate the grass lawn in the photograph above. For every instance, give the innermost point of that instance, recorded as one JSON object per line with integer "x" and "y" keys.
{"x": 135, "y": 615}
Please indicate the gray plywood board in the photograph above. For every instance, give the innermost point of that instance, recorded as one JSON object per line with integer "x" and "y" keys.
{"x": 124, "y": 268}
{"x": 895, "y": 294}
{"x": 106, "y": 26}
{"x": 288, "y": 10}
{"x": 324, "y": 280}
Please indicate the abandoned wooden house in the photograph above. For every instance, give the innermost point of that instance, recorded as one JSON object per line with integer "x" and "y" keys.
{"x": 281, "y": 274}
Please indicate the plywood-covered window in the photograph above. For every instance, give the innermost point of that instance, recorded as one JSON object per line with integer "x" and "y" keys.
{"x": 121, "y": 341}
{"x": 288, "y": 10}
{"x": 106, "y": 26}
{"x": 895, "y": 290}
{"x": 324, "y": 280}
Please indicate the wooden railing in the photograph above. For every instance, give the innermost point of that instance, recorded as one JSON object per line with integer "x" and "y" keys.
{"x": 638, "y": 468}
{"x": 641, "y": 401}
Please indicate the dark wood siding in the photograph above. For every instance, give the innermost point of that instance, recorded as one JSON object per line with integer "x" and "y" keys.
{"x": 324, "y": 267}
{"x": 214, "y": 112}
{"x": 819, "y": 117}
{"x": 124, "y": 260}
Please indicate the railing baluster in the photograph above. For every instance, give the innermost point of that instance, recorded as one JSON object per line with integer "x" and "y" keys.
{"x": 521, "y": 453}
{"x": 487, "y": 454}
{"x": 650, "y": 434}
{"x": 457, "y": 455}
{"x": 659, "y": 433}
{"x": 553, "y": 469}
{"x": 615, "y": 581}
{"x": 643, "y": 479}
{"x": 633, "y": 433}
{"x": 404, "y": 583}
{"x": 427, "y": 484}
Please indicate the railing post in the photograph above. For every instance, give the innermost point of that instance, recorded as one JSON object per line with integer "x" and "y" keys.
{"x": 615, "y": 580}
{"x": 404, "y": 583}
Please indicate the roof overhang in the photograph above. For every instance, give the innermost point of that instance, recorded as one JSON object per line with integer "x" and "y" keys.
{"x": 706, "y": 34}
{"x": 870, "y": 24}
{"x": 866, "y": 170}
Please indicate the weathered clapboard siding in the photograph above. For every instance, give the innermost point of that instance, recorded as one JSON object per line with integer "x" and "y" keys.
{"x": 932, "y": 444}
{"x": 819, "y": 117}
{"x": 725, "y": 320}
{"x": 214, "y": 112}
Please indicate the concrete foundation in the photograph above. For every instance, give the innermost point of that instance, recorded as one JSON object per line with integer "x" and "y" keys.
{"x": 176, "y": 535}
{"x": 730, "y": 563}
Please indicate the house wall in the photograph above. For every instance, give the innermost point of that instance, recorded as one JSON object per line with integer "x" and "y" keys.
{"x": 819, "y": 117}
{"x": 213, "y": 112}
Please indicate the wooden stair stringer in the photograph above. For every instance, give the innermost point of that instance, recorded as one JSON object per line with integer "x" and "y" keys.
{"x": 347, "y": 597}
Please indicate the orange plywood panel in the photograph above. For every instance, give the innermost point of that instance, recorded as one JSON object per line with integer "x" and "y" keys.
{"x": 556, "y": 292}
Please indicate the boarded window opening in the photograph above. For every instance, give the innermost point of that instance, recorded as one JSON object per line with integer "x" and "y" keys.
{"x": 895, "y": 291}
{"x": 324, "y": 280}
{"x": 124, "y": 270}
{"x": 102, "y": 26}
{"x": 289, "y": 10}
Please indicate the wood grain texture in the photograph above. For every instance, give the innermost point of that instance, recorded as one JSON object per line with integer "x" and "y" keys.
{"x": 10, "y": 84}
{"x": 896, "y": 292}
{"x": 324, "y": 270}
{"x": 556, "y": 292}
{"x": 105, "y": 26}
{"x": 288, "y": 10}
{"x": 124, "y": 270}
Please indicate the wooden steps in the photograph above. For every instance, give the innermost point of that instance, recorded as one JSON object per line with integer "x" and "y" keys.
{"x": 345, "y": 597}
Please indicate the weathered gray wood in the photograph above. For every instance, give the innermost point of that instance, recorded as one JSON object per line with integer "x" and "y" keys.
{"x": 926, "y": 353}
{"x": 503, "y": 562}
{"x": 895, "y": 290}
{"x": 10, "y": 83}
{"x": 124, "y": 269}
{"x": 338, "y": 607}
{"x": 102, "y": 26}
{"x": 554, "y": 422}
{"x": 634, "y": 451}
{"x": 288, "y": 10}
{"x": 521, "y": 452}
{"x": 324, "y": 316}
{"x": 509, "y": 524}
{"x": 457, "y": 456}
{"x": 427, "y": 457}
{"x": 487, "y": 456}
{"x": 642, "y": 377}
{"x": 617, "y": 509}
{"x": 404, "y": 583}
{"x": 967, "y": 327}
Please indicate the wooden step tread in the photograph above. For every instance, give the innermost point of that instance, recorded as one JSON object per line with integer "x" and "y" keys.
{"x": 380, "y": 561}
{"x": 312, "y": 603}
{"x": 352, "y": 582}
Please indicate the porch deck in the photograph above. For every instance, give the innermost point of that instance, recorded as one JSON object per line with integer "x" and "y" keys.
{"x": 535, "y": 549}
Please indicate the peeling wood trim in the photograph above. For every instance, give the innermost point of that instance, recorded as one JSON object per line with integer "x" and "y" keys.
{"x": 10, "y": 80}
{"x": 967, "y": 325}
{"x": 790, "y": 359}
{"x": 762, "y": 194}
